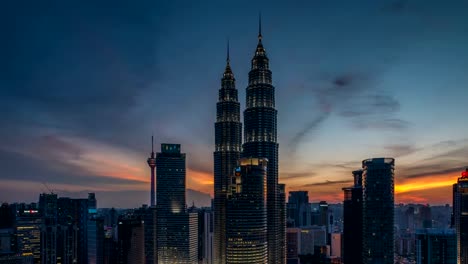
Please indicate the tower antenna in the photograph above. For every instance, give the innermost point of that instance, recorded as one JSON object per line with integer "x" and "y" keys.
{"x": 228, "y": 59}
{"x": 259, "y": 25}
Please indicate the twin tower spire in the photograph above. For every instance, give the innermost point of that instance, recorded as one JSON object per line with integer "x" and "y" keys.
{"x": 228, "y": 60}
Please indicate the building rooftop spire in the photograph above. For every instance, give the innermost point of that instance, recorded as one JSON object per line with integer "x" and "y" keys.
{"x": 227, "y": 57}
{"x": 259, "y": 27}
{"x": 228, "y": 71}
{"x": 152, "y": 147}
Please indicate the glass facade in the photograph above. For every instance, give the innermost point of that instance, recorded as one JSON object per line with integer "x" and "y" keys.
{"x": 176, "y": 229}
{"x": 378, "y": 211}
{"x": 436, "y": 246}
{"x": 246, "y": 214}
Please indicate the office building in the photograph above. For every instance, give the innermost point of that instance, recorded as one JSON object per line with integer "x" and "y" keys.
{"x": 298, "y": 208}
{"x": 378, "y": 210}
{"x": 246, "y": 214}
{"x": 228, "y": 139}
{"x": 352, "y": 221}
{"x": 64, "y": 229}
{"x": 436, "y": 246}
{"x": 177, "y": 230}
{"x": 28, "y": 231}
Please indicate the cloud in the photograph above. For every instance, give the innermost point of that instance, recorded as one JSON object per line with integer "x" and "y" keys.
{"x": 297, "y": 175}
{"x": 328, "y": 183}
{"x": 355, "y": 97}
{"x": 56, "y": 173}
{"x": 399, "y": 150}
{"x": 395, "y": 7}
{"x": 307, "y": 129}
{"x": 79, "y": 68}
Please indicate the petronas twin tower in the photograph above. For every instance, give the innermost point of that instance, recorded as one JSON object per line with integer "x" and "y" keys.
{"x": 260, "y": 141}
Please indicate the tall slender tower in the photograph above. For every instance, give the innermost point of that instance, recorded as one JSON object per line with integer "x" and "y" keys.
{"x": 152, "y": 164}
{"x": 460, "y": 214}
{"x": 228, "y": 140}
{"x": 378, "y": 211}
{"x": 260, "y": 140}
{"x": 352, "y": 216}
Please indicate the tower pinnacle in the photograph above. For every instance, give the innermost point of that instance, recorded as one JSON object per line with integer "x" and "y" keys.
{"x": 227, "y": 58}
{"x": 259, "y": 27}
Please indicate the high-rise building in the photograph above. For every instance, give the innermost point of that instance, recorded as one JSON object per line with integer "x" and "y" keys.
{"x": 312, "y": 237}
{"x": 378, "y": 211}
{"x": 149, "y": 216}
{"x": 49, "y": 211}
{"x": 246, "y": 214}
{"x": 131, "y": 241}
{"x": 352, "y": 221}
{"x": 298, "y": 208}
{"x": 28, "y": 231}
{"x": 64, "y": 229}
{"x": 260, "y": 140}
{"x": 436, "y": 246}
{"x": 460, "y": 215}
{"x": 205, "y": 236}
{"x": 95, "y": 239}
{"x": 228, "y": 139}
{"x": 152, "y": 164}
{"x": 176, "y": 229}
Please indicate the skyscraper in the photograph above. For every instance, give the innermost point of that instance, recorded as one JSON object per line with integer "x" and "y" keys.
{"x": 152, "y": 164}
{"x": 378, "y": 211}
{"x": 228, "y": 138}
{"x": 246, "y": 227}
{"x": 352, "y": 217}
{"x": 176, "y": 229}
{"x": 28, "y": 231}
{"x": 299, "y": 208}
{"x": 460, "y": 215}
{"x": 260, "y": 140}
{"x": 64, "y": 229}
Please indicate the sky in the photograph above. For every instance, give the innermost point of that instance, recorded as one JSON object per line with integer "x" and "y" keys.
{"x": 83, "y": 86}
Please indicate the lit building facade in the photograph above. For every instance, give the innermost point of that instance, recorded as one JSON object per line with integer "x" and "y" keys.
{"x": 260, "y": 140}
{"x": 246, "y": 214}
{"x": 378, "y": 211}
{"x": 28, "y": 232}
{"x": 352, "y": 221}
{"x": 460, "y": 215}
{"x": 228, "y": 140}
{"x": 177, "y": 230}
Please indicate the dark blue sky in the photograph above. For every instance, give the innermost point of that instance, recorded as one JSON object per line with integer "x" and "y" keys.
{"x": 84, "y": 85}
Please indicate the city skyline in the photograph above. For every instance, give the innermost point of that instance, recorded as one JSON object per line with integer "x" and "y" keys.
{"x": 85, "y": 91}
